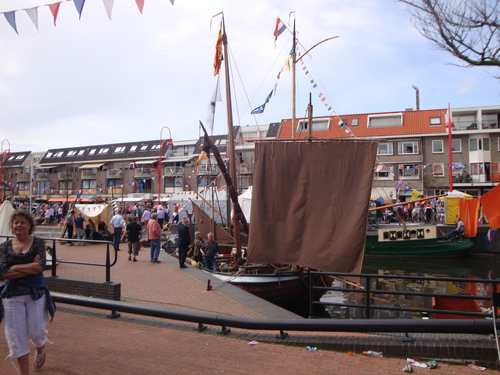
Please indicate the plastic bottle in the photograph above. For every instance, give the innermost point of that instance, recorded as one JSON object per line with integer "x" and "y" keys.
{"x": 371, "y": 353}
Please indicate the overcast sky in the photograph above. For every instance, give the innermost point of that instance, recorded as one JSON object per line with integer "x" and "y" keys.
{"x": 96, "y": 81}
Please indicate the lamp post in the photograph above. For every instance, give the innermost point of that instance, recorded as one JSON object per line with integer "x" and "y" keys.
{"x": 160, "y": 158}
{"x": 3, "y": 154}
{"x": 449, "y": 125}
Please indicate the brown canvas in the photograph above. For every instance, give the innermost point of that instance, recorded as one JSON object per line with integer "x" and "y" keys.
{"x": 205, "y": 224}
{"x": 310, "y": 203}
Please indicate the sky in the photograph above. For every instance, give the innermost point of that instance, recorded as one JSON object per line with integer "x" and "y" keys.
{"x": 93, "y": 80}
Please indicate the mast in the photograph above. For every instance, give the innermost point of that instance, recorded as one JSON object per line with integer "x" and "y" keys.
{"x": 231, "y": 146}
{"x": 294, "y": 89}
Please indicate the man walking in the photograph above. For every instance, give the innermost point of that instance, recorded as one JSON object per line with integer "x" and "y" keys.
{"x": 209, "y": 250}
{"x": 69, "y": 222}
{"x": 154, "y": 234}
{"x": 184, "y": 241}
{"x": 134, "y": 230}
{"x": 117, "y": 223}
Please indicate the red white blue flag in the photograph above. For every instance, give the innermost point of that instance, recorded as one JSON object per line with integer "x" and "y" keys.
{"x": 278, "y": 30}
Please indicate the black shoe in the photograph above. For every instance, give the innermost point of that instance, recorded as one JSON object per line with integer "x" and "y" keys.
{"x": 156, "y": 261}
{"x": 129, "y": 257}
{"x": 183, "y": 266}
{"x": 135, "y": 260}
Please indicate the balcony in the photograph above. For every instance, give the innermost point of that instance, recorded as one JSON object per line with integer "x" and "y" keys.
{"x": 89, "y": 174}
{"x": 23, "y": 177}
{"x": 114, "y": 173}
{"x": 174, "y": 171}
{"x": 43, "y": 176}
{"x": 204, "y": 169}
{"x": 245, "y": 168}
{"x": 142, "y": 173}
{"x": 65, "y": 176}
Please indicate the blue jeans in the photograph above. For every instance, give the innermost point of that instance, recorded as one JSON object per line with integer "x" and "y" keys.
{"x": 155, "y": 249}
{"x": 210, "y": 264}
{"x": 117, "y": 235}
{"x": 454, "y": 234}
{"x": 80, "y": 234}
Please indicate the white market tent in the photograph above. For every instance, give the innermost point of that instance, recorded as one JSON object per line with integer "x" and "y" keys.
{"x": 6, "y": 210}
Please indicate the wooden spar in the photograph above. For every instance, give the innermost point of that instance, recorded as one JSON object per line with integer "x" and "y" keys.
{"x": 212, "y": 207}
{"x": 403, "y": 203}
{"x": 232, "y": 191}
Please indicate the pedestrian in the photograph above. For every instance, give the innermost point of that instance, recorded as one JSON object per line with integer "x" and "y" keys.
{"x": 69, "y": 223}
{"x": 161, "y": 214}
{"x": 117, "y": 223}
{"x": 49, "y": 215}
{"x": 195, "y": 247}
{"x": 25, "y": 298}
{"x": 184, "y": 241}
{"x": 133, "y": 230}
{"x": 146, "y": 216}
{"x": 210, "y": 250}
{"x": 80, "y": 230}
{"x": 154, "y": 235}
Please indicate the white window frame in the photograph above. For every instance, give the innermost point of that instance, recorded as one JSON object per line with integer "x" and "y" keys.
{"x": 390, "y": 148}
{"x": 459, "y": 141}
{"x": 402, "y": 147}
{"x": 385, "y": 120}
{"x": 321, "y": 124}
{"x": 435, "y": 121}
{"x": 435, "y": 142}
{"x": 438, "y": 170}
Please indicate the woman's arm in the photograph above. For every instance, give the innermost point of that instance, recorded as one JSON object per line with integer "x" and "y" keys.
{"x": 20, "y": 270}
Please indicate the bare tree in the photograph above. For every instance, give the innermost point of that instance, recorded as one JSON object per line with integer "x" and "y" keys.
{"x": 468, "y": 29}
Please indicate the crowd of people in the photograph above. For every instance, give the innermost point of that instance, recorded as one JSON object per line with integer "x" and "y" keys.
{"x": 430, "y": 211}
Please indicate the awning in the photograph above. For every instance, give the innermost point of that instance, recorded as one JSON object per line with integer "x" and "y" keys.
{"x": 91, "y": 165}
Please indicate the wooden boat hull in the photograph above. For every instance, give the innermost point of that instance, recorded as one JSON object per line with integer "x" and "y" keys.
{"x": 456, "y": 305}
{"x": 413, "y": 242}
{"x": 282, "y": 289}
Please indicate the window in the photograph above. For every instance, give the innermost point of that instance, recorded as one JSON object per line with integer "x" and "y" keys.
{"x": 434, "y": 121}
{"x": 172, "y": 182}
{"x": 133, "y": 148}
{"x": 437, "y": 146}
{"x": 317, "y": 124}
{"x": 380, "y": 121}
{"x": 20, "y": 157}
{"x": 438, "y": 170}
{"x": 144, "y": 148}
{"x": 120, "y": 149}
{"x": 478, "y": 144}
{"x": 92, "y": 151}
{"x": 498, "y": 143}
{"x": 81, "y": 152}
{"x": 65, "y": 185}
{"x": 456, "y": 145}
{"x": 156, "y": 147}
{"x": 71, "y": 153}
{"x": 406, "y": 148}
{"x": 49, "y": 155}
{"x": 385, "y": 149}
{"x": 409, "y": 171}
{"x": 58, "y": 154}
{"x": 104, "y": 150}
{"x": 89, "y": 184}
{"x": 386, "y": 173}
{"x": 355, "y": 122}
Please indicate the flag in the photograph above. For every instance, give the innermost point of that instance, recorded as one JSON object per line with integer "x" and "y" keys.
{"x": 287, "y": 64}
{"x": 407, "y": 188}
{"x": 218, "y": 51}
{"x": 399, "y": 184}
{"x": 490, "y": 236}
{"x": 211, "y": 106}
{"x": 415, "y": 194}
{"x": 260, "y": 108}
{"x": 278, "y": 30}
{"x": 54, "y": 9}
{"x": 205, "y": 152}
{"x": 79, "y": 6}
{"x": 380, "y": 167}
{"x": 11, "y": 19}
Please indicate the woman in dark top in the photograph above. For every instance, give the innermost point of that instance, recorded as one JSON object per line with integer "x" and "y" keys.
{"x": 25, "y": 299}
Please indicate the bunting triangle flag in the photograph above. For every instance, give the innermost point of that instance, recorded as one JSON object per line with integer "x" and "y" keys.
{"x": 54, "y": 9}
{"x": 11, "y": 19}
{"x": 33, "y": 15}
{"x": 172, "y": 1}
{"x": 108, "y": 5}
{"x": 79, "y": 6}
{"x": 140, "y": 4}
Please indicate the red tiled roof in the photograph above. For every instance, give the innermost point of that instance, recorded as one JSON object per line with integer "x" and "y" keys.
{"x": 414, "y": 123}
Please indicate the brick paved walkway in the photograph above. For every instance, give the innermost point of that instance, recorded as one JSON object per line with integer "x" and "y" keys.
{"x": 85, "y": 341}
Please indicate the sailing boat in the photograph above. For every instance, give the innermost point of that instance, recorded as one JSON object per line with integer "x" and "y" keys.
{"x": 309, "y": 211}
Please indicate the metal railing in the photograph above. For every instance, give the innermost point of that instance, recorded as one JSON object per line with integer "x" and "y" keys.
{"x": 55, "y": 261}
{"x": 371, "y": 289}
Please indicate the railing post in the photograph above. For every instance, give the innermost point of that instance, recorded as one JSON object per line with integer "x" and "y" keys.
{"x": 310, "y": 295}
{"x": 108, "y": 267}
{"x": 367, "y": 296}
{"x": 53, "y": 271}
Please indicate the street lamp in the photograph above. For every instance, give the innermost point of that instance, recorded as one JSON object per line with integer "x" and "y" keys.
{"x": 449, "y": 124}
{"x": 3, "y": 154}
{"x": 160, "y": 158}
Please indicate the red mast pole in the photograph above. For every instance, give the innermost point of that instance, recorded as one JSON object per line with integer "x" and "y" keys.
{"x": 449, "y": 125}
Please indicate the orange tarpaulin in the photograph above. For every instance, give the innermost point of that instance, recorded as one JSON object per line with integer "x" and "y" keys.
{"x": 491, "y": 203}
{"x": 468, "y": 212}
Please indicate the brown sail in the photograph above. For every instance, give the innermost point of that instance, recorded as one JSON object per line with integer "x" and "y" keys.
{"x": 205, "y": 224}
{"x": 310, "y": 203}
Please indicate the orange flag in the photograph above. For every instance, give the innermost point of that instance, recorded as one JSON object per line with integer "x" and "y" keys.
{"x": 218, "y": 51}
{"x": 491, "y": 203}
